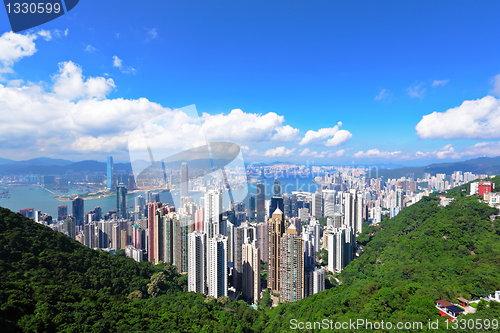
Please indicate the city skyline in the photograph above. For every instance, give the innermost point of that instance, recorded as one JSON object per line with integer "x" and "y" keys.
{"x": 329, "y": 83}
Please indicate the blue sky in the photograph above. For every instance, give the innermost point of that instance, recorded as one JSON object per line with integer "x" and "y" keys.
{"x": 380, "y": 68}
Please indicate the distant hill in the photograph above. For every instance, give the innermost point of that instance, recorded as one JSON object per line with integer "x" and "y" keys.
{"x": 6, "y": 161}
{"x": 481, "y": 165}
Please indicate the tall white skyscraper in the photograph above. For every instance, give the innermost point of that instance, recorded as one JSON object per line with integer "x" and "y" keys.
{"x": 317, "y": 205}
{"x": 196, "y": 261}
{"x": 217, "y": 266}
{"x": 184, "y": 182}
{"x": 213, "y": 212}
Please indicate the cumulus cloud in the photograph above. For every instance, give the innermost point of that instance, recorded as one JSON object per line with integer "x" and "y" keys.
{"x": 490, "y": 149}
{"x": 416, "y": 90}
{"x": 309, "y": 152}
{"x": 441, "y": 83}
{"x": 15, "y": 47}
{"x": 241, "y": 127}
{"x": 375, "y": 153}
{"x": 333, "y": 132}
{"x": 279, "y": 152}
{"x": 383, "y": 94}
{"x": 70, "y": 84}
{"x": 475, "y": 119}
{"x": 339, "y": 138}
{"x": 338, "y": 153}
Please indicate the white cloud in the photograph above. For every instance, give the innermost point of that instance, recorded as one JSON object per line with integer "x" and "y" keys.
{"x": 242, "y": 128}
{"x": 496, "y": 85}
{"x": 89, "y": 48}
{"x": 441, "y": 83}
{"x": 45, "y": 34}
{"x": 416, "y": 90}
{"x": 66, "y": 32}
{"x": 476, "y": 119}
{"x": 117, "y": 62}
{"x": 285, "y": 133}
{"x": 375, "y": 153}
{"x": 152, "y": 33}
{"x": 383, "y": 94}
{"x": 338, "y": 153}
{"x": 15, "y": 47}
{"x": 70, "y": 84}
{"x": 339, "y": 138}
{"x": 323, "y": 133}
{"x": 279, "y": 152}
{"x": 308, "y": 152}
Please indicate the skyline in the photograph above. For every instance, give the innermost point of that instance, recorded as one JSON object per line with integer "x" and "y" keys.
{"x": 339, "y": 84}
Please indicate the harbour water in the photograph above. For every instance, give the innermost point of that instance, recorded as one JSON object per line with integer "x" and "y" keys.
{"x": 33, "y": 196}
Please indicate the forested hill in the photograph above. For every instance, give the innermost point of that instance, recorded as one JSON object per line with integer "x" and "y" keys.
{"x": 422, "y": 255}
{"x": 51, "y": 283}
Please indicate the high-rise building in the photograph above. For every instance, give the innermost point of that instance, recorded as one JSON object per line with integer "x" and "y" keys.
{"x": 277, "y": 199}
{"x": 121, "y": 202}
{"x": 314, "y": 281}
{"x": 239, "y": 239}
{"x": 261, "y": 199}
{"x": 78, "y": 213}
{"x": 251, "y": 271}
{"x": 252, "y": 208}
{"x": 110, "y": 175}
{"x": 294, "y": 206}
{"x": 197, "y": 242}
{"x": 62, "y": 212}
{"x": 291, "y": 268}
{"x": 262, "y": 241}
{"x": 152, "y": 207}
{"x": 184, "y": 182}
{"x": 317, "y": 205}
{"x": 217, "y": 266}
{"x": 341, "y": 248}
{"x": 180, "y": 240}
{"x": 276, "y": 228}
{"x": 69, "y": 226}
{"x": 213, "y": 212}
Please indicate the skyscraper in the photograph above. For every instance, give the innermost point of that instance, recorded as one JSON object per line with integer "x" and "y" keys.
{"x": 262, "y": 241}
{"x": 261, "y": 199}
{"x": 69, "y": 226}
{"x": 110, "y": 174}
{"x": 277, "y": 199}
{"x": 213, "y": 212}
{"x": 217, "y": 266}
{"x": 251, "y": 271}
{"x": 317, "y": 205}
{"x": 239, "y": 234}
{"x": 291, "y": 279}
{"x": 152, "y": 207}
{"x": 121, "y": 202}
{"x": 78, "y": 213}
{"x": 251, "y": 208}
{"x": 196, "y": 261}
{"x": 276, "y": 228}
{"x": 62, "y": 212}
{"x": 184, "y": 182}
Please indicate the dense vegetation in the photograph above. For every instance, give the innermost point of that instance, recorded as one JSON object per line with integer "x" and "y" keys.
{"x": 51, "y": 283}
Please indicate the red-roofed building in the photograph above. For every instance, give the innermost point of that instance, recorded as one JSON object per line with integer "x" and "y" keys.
{"x": 484, "y": 187}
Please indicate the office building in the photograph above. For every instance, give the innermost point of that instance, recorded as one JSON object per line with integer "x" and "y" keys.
{"x": 184, "y": 186}
{"x": 261, "y": 199}
{"x": 110, "y": 172}
{"x": 62, "y": 212}
{"x": 78, "y": 212}
{"x": 121, "y": 202}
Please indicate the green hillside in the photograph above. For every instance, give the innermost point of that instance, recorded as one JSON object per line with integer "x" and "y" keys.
{"x": 50, "y": 283}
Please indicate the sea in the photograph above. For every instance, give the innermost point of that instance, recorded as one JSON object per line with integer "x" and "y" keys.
{"x": 34, "y": 196}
